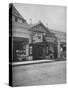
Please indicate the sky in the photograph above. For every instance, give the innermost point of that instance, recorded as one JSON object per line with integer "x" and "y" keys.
{"x": 53, "y": 17}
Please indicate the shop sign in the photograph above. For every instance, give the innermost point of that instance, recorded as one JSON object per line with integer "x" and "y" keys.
{"x": 50, "y": 39}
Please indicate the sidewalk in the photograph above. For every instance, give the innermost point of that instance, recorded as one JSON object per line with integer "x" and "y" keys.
{"x": 30, "y": 62}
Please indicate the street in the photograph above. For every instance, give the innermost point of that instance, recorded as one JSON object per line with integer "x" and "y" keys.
{"x": 40, "y": 74}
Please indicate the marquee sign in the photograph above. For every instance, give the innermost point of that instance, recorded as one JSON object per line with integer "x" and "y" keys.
{"x": 37, "y": 38}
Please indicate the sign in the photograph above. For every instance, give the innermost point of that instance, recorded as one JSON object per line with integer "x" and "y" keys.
{"x": 37, "y": 38}
{"x": 50, "y": 39}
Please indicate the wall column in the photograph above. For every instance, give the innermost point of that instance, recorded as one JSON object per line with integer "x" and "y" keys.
{"x": 27, "y": 50}
{"x": 59, "y": 48}
{"x": 27, "y": 47}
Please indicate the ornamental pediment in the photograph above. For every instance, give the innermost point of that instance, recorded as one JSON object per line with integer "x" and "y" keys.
{"x": 39, "y": 28}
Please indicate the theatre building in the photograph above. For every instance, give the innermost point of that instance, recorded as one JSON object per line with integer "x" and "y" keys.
{"x": 30, "y": 42}
{"x": 44, "y": 43}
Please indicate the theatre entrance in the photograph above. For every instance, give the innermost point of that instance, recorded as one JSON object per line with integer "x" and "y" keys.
{"x": 44, "y": 51}
{"x": 37, "y": 52}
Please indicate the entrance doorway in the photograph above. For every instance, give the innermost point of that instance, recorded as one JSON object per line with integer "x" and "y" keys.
{"x": 37, "y": 52}
{"x": 44, "y": 51}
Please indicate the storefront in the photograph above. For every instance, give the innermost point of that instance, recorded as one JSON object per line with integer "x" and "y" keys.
{"x": 51, "y": 46}
{"x": 20, "y": 48}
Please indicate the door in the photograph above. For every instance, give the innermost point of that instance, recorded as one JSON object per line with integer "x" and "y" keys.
{"x": 37, "y": 52}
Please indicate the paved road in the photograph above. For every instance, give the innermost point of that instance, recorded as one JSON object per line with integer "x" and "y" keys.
{"x": 40, "y": 74}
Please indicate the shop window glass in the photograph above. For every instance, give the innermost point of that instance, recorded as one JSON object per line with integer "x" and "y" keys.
{"x": 20, "y": 51}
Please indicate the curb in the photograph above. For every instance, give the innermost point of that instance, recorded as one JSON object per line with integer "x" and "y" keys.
{"x": 30, "y": 62}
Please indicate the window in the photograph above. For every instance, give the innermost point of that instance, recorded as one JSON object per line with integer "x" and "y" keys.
{"x": 16, "y": 19}
{"x": 39, "y": 37}
{"x": 23, "y": 20}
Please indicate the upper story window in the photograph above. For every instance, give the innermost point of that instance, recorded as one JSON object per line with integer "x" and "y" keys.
{"x": 19, "y": 20}
{"x": 39, "y": 37}
{"x": 23, "y": 21}
{"x": 16, "y": 19}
